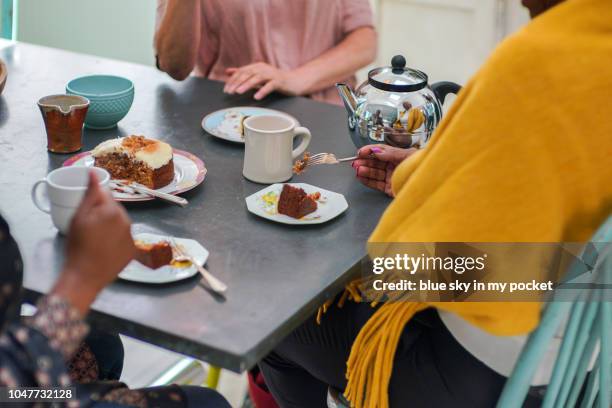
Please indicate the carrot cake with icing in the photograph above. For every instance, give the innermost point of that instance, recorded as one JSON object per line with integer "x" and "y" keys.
{"x": 138, "y": 159}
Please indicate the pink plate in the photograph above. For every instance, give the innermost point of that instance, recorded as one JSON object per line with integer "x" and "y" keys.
{"x": 189, "y": 172}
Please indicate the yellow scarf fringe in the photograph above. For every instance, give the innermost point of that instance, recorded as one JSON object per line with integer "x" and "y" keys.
{"x": 370, "y": 363}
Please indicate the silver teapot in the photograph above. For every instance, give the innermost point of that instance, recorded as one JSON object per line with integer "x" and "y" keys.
{"x": 395, "y": 106}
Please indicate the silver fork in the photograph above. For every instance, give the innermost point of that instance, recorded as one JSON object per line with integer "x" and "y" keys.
{"x": 214, "y": 283}
{"x": 326, "y": 158}
{"x": 126, "y": 187}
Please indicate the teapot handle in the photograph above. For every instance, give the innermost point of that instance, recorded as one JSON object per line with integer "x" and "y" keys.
{"x": 441, "y": 89}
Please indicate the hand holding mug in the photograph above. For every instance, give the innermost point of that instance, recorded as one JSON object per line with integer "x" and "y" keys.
{"x": 65, "y": 188}
{"x": 376, "y": 163}
{"x": 99, "y": 246}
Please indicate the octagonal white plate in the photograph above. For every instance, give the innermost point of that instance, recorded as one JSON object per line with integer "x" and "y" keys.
{"x": 264, "y": 204}
{"x": 137, "y": 272}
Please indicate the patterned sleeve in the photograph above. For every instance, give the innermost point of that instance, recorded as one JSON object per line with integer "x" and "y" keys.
{"x": 61, "y": 323}
{"x": 356, "y": 14}
{"x": 35, "y": 354}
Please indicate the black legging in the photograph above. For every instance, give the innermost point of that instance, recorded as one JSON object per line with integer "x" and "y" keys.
{"x": 431, "y": 369}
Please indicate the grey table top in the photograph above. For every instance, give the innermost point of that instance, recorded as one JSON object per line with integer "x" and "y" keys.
{"x": 277, "y": 274}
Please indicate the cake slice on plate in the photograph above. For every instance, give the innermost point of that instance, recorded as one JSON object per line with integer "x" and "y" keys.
{"x": 295, "y": 203}
{"x": 153, "y": 255}
{"x": 138, "y": 159}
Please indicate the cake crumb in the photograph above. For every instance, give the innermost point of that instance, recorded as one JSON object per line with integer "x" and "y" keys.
{"x": 300, "y": 165}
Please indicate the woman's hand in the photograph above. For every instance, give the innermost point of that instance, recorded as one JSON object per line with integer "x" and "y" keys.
{"x": 376, "y": 163}
{"x": 356, "y": 50}
{"x": 264, "y": 76}
{"x": 99, "y": 246}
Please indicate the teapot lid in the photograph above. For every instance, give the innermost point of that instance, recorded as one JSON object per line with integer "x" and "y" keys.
{"x": 397, "y": 78}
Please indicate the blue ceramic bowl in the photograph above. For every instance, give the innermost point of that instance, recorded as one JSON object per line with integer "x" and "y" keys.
{"x": 110, "y": 98}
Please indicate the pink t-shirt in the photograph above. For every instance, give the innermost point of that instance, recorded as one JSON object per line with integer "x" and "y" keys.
{"x": 283, "y": 33}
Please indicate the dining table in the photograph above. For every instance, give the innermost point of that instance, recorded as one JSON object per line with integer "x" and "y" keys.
{"x": 277, "y": 275}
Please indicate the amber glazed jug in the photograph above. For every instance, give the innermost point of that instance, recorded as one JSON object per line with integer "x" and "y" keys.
{"x": 64, "y": 116}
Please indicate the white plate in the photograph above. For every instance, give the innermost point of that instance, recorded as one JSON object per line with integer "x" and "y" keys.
{"x": 264, "y": 204}
{"x": 189, "y": 172}
{"x": 137, "y": 272}
{"x": 212, "y": 122}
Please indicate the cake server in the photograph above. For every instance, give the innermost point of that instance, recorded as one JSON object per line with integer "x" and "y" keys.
{"x": 214, "y": 283}
{"x": 139, "y": 188}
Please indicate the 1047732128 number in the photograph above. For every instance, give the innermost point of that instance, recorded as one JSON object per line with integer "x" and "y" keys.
{"x": 36, "y": 394}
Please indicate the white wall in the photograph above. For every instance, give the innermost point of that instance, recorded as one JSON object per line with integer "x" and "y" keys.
{"x": 121, "y": 29}
{"x": 449, "y": 39}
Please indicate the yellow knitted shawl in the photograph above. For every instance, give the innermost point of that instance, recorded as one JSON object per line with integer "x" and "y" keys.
{"x": 524, "y": 155}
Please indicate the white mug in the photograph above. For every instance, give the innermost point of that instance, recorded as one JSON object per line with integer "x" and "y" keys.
{"x": 66, "y": 187}
{"x": 268, "y": 151}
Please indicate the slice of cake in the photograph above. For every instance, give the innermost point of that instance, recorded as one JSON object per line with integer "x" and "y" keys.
{"x": 136, "y": 158}
{"x": 295, "y": 203}
{"x": 153, "y": 255}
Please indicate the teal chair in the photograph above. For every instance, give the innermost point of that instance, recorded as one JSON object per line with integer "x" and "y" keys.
{"x": 587, "y": 336}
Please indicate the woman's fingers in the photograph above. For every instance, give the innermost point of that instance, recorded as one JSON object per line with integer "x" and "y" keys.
{"x": 236, "y": 80}
{"x": 367, "y": 151}
{"x": 262, "y": 75}
{"x": 385, "y": 153}
{"x": 250, "y": 83}
{"x": 93, "y": 195}
{"x": 266, "y": 90}
{"x": 238, "y": 76}
{"x": 375, "y": 163}
{"x": 371, "y": 173}
{"x": 377, "y": 185}
{"x": 381, "y": 153}
{"x": 374, "y": 184}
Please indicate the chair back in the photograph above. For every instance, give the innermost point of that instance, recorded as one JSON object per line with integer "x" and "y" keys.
{"x": 587, "y": 336}
{"x": 335, "y": 399}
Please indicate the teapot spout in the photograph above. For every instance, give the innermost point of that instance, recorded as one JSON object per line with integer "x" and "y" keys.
{"x": 348, "y": 97}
